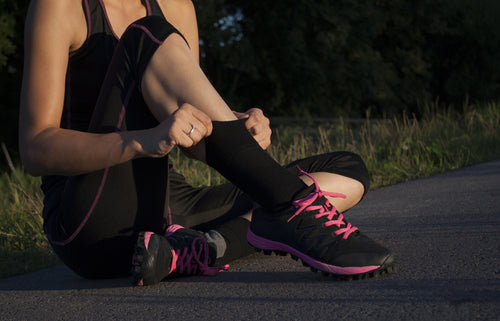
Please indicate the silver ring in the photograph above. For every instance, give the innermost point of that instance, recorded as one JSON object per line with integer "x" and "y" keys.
{"x": 192, "y": 130}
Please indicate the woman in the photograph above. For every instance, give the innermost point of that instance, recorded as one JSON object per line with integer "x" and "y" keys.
{"x": 110, "y": 87}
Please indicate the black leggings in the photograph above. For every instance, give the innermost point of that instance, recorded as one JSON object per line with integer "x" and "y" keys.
{"x": 92, "y": 220}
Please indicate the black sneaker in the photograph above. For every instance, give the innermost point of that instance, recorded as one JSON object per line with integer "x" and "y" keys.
{"x": 180, "y": 251}
{"x": 312, "y": 230}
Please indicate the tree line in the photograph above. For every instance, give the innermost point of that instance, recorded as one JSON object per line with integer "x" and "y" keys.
{"x": 351, "y": 57}
{"x": 322, "y": 58}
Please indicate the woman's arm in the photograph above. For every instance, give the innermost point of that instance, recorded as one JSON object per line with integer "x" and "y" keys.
{"x": 53, "y": 28}
{"x": 181, "y": 14}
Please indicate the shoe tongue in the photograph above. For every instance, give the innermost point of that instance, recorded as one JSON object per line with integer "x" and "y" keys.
{"x": 321, "y": 201}
{"x": 327, "y": 206}
{"x": 216, "y": 241}
{"x": 304, "y": 192}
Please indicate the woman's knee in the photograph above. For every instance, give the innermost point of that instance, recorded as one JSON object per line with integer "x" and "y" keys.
{"x": 343, "y": 163}
{"x": 144, "y": 37}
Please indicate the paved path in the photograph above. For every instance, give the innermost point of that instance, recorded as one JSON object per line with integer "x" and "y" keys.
{"x": 444, "y": 229}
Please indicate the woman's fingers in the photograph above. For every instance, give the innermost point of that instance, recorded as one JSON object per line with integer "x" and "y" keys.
{"x": 258, "y": 125}
{"x": 189, "y": 126}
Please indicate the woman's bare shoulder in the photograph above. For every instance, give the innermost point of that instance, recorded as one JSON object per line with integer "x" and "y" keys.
{"x": 177, "y": 5}
{"x": 64, "y": 8}
{"x": 181, "y": 14}
{"x": 64, "y": 17}
{"x": 178, "y": 2}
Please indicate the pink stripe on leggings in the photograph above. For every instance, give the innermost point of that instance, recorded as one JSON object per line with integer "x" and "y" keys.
{"x": 87, "y": 216}
{"x": 104, "y": 176}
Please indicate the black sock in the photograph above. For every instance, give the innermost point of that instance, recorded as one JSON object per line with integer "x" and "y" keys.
{"x": 234, "y": 153}
{"x": 235, "y": 234}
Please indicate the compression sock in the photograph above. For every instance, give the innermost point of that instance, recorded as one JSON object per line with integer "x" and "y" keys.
{"x": 235, "y": 235}
{"x": 234, "y": 153}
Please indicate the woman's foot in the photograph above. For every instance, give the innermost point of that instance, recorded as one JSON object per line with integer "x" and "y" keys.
{"x": 180, "y": 251}
{"x": 314, "y": 231}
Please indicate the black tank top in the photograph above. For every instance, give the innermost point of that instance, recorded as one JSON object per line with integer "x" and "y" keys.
{"x": 87, "y": 65}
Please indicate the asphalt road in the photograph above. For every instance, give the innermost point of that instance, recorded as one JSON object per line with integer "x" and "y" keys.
{"x": 445, "y": 230}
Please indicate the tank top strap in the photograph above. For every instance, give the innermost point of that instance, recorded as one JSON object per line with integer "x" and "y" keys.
{"x": 96, "y": 18}
{"x": 153, "y": 8}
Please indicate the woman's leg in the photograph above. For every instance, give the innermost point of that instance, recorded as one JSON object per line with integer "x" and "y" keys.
{"x": 215, "y": 210}
{"x": 220, "y": 208}
{"x": 172, "y": 78}
{"x": 93, "y": 220}
{"x": 351, "y": 188}
{"x": 204, "y": 207}
{"x": 330, "y": 244}
{"x": 339, "y": 172}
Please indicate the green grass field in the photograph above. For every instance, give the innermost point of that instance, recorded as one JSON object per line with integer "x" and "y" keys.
{"x": 395, "y": 150}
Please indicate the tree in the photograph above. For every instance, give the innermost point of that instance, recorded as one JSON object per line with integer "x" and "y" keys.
{"x": 351, "y": 57}
{"x": 12, "y": 19}
{"x": 6, "y": 34}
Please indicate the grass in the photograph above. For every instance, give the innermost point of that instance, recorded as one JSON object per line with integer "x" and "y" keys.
{"x": 395, "y": 150}
{"x": 23, "y": 246}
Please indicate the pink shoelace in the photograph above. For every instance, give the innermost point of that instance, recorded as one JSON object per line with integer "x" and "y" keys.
{"x": 194, "y": 261}
{"x": 326, "y": 209}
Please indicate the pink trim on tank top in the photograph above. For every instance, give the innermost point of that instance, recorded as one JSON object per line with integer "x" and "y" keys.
{"x": 147, "y": 32}
{"x": 148, "y": 13}
{"x": 89, "y": 24}
{"x": 107, "y": 19}
{"x": 148, "y": 8}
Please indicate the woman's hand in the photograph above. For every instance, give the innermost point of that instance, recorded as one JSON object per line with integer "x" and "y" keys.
{"x": 258, "y": 125}
{"x": 186, "y": 127}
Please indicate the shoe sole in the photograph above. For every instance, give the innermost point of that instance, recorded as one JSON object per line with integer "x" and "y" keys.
{"x": 337, "y": 272}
